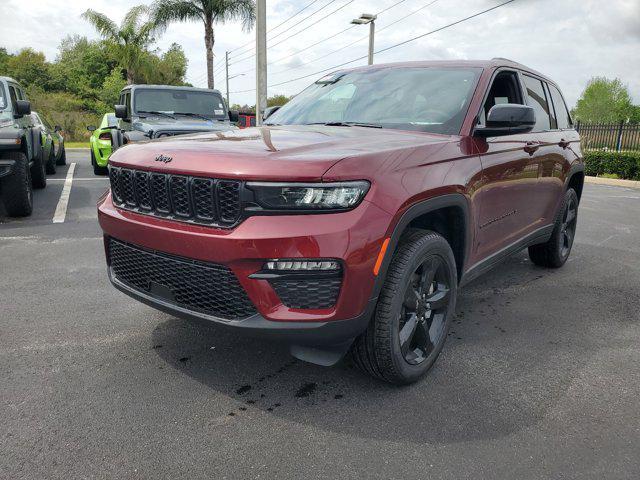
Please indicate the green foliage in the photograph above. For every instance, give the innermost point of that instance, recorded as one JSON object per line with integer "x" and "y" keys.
{"x": 28, "y": 67}
{"x": 170, "y": 68}
{"x": 623, "y": 164}
{"x": 605, "y": 101}
{"x": 277, "y": 100}
{"x": 111, "y": 87}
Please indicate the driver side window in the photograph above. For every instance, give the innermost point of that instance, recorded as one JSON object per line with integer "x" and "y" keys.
{"x": 504, "y": 89}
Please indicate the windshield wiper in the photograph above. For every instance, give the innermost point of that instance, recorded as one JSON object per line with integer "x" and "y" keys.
{"x": 196, "y": 115}
{"x": 346, "y": 124}
{"x": 155, "y": 112}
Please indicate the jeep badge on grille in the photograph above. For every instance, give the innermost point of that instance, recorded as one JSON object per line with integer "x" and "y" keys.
{"x": 163, "y": 158}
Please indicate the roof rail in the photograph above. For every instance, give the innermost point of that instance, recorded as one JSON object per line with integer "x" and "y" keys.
{"x": 502, "y": 58}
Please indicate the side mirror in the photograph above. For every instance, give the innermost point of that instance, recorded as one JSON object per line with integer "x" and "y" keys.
{"x": 507, "y": 119}
{"x": 23, "y": 107}
{"x": 91, "y": 128}
{"x": 270, "y": 111}
{"x": 121, "y": 111}
{"x": 234, "y": 116}
{"x": 57, "y": 128}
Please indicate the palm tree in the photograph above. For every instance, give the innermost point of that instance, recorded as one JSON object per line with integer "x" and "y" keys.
{"x": 127, "y": 42}
{"x": 208, "y": 12}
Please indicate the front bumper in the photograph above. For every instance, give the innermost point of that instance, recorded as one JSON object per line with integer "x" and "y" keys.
{"x": 354, "y": 237}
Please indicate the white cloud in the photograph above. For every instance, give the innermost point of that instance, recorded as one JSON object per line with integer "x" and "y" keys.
{"x": 568, "y": 40}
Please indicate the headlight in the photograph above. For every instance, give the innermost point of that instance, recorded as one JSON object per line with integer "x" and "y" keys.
{"x": 309, "y": 196}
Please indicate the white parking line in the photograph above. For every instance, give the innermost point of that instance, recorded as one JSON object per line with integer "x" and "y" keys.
{"x": 79, "y": 179}
{"x": 61, "y": 209}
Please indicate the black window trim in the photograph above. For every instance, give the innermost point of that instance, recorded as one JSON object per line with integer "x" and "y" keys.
{"x": 496, "y": 72}
{"x": 564, "y": 105}
{"x": 524, "y": 86}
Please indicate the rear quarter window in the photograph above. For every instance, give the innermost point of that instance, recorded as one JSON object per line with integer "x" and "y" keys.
{"x": 562, "y": 112}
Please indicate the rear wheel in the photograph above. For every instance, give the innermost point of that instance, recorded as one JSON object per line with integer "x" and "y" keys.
{"x": 555, "y": 252}
{"x": 63, "y": 157}
{"x": 414, "y": 311}
{"x": 38, "y": 171}
{"x": 51, "y": 162}
{"x": 97, "y": 169}
{"x": 17, "y": 193}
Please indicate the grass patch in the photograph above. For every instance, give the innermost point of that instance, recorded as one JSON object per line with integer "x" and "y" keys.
{"x": 76, "y": 144}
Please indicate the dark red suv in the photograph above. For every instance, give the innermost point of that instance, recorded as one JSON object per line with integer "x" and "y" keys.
{"x": 349, "y": 221}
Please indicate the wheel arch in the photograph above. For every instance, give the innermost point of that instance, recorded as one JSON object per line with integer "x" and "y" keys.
{"x": 447, "y": 215}
{"x": 575, "y": 179}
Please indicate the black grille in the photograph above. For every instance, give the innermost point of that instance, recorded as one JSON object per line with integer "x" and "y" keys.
{"x": 308, "y": 293}
{"x": 200, "y": 200}
{"x": 198, "y": 286}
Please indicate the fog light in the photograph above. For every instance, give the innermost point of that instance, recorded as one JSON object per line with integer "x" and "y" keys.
{"x": 323, "y": 265}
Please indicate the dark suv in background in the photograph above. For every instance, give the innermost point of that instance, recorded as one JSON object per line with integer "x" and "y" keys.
{"x": 157, "y": 111}
{"x": 22, "y": 157}
{"x": 350, "y": 220}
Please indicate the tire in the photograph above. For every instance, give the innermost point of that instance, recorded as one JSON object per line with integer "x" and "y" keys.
{"x": 51, "y": 162}
{"x": 555, "y": 252}
{"x": 97, "y": 169}
{"x": 400, "y": 346}
{"x": 17, "y": 192}
{"x": 63, "y": 157}
{"x": 39, "y": 171}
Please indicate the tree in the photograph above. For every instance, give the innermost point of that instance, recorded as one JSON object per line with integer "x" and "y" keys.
{"x": 128, "y": 42}
{"x": 277, "y": 100}
{"x": 604, "y": 101}
{"x": 209, "y": 12}
{"x": 170, "y": 68}
{"x": 29, "y": 68}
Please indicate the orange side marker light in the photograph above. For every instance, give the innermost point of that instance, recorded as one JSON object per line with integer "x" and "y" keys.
{"x": 383, "y": 249}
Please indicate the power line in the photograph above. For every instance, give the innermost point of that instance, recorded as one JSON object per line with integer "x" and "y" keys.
{"x": 302, "y": 30}
{"x": 356, "y": 41}
{"x": 390, "y": 47}
{"x": 326, "y": 39}
{"x": 279, "y": 25}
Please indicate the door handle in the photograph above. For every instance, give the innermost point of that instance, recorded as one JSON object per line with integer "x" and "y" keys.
{"x": 531, "y": 147}
{"x": 564, "y": 143}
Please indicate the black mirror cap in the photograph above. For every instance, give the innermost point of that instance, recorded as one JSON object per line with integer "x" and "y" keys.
{"x": 234, "y": 116}
{"x": 57, "y": 128}
{"x": 23, "y": 107}
{"x": 121, "y": 111}
{"x": 91, "y": 128}
{"x": 507, "y": 119}
{"x": 270, "y": 111}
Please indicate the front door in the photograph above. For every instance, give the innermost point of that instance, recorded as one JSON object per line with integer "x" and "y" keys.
{"x": 508, "y": 209}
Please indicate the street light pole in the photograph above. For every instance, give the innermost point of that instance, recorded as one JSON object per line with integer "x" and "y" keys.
{"x": 372, "y": 33}
{"x": 226, "y": 57}
{"x": 261, "y": 59}
{"x": 371, "y": 20}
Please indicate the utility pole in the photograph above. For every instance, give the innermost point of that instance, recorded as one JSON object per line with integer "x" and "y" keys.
{"x": 261, "y": 59}
{"x": 371, "y": 20}
{"x": 226, "y": 57}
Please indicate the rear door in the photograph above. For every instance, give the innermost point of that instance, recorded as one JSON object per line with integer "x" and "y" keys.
{"x": 551, "y": 153}
{"x": 510, "y": 166}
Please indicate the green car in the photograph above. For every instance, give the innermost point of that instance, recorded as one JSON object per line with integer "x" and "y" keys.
{"x": 52, "y": 142}
{"x": 100, "y": 143}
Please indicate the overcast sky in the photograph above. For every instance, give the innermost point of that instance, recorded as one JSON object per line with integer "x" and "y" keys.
{"x": 569, "y": 40}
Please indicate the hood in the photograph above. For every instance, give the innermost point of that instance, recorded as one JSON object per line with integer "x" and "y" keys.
{"x": 180, "y": 124}
{"x": 294, "y": 153}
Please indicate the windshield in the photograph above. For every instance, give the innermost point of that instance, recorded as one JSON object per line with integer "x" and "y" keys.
{"x": 197, "y": 103}
{"x": 428, "y": 99}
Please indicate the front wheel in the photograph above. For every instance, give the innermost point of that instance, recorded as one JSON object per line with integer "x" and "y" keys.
{"x": 17, "y": 193}
{"x": 63, "y": 157}
{"x": 555, "y": 252}
{"x": 39, "y": 171}
{"x": 413, "y": 313}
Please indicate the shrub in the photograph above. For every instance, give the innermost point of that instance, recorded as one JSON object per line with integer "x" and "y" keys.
{"x": 623, "y": 164}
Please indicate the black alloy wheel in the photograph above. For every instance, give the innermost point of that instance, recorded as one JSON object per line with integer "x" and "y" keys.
{"x": 424, "y": 310}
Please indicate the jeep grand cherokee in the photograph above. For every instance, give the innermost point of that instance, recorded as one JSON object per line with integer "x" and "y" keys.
{"x": 350, "y": 220}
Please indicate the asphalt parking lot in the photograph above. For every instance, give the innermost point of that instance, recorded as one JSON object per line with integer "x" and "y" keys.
{"x": 540, "y": 377}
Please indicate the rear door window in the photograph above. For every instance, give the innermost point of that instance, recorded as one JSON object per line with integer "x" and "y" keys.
{"x": 562, "y": 113}
{"x": 537, "y": 98}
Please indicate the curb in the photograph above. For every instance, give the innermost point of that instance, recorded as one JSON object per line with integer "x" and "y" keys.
{"x": 613, "y": 182}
